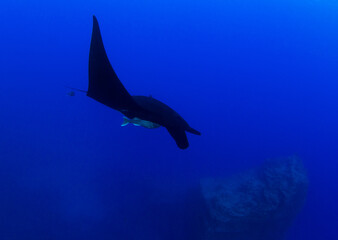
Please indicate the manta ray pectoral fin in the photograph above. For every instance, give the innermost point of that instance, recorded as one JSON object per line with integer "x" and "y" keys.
{"x": 104, "y": 85}
{"x": 179, "y": 136}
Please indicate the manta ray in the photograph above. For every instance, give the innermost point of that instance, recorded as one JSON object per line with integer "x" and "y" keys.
{"x": 105, "y": 87}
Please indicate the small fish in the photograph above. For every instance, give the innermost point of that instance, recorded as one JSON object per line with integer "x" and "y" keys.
{"x": 139, "y": 122}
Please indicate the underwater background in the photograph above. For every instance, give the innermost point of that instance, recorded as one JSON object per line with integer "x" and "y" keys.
{"x": 258, "y": 79}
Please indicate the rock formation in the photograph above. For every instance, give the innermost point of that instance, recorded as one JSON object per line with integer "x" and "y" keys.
{"x": 258, "y": 204}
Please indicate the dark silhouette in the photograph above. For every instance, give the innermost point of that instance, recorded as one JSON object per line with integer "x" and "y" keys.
{"x": 106, "y": 88}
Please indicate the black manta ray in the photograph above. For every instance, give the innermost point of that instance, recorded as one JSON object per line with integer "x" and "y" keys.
{"x": 106, "y": 88}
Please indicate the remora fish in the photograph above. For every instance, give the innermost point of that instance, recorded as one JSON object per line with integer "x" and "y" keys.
{"x": 139, "y": 122}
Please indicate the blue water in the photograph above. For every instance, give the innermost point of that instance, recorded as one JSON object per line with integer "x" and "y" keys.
{"x": 257, "y": 78}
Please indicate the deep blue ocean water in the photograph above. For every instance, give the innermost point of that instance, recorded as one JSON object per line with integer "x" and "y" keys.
{"x": 257, "y": 78}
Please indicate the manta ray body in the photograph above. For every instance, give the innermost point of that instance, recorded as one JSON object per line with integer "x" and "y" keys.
{"x": 106, "y": 88}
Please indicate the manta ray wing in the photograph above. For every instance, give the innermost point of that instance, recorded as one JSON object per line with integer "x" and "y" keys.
{"x": 104, "y": 85}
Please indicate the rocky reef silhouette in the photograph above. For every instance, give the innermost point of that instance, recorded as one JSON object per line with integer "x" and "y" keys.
{"x": 258, "y": 204}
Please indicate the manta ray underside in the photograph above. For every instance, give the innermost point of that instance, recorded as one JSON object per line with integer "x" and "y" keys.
{"x": 106, "y": 88}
